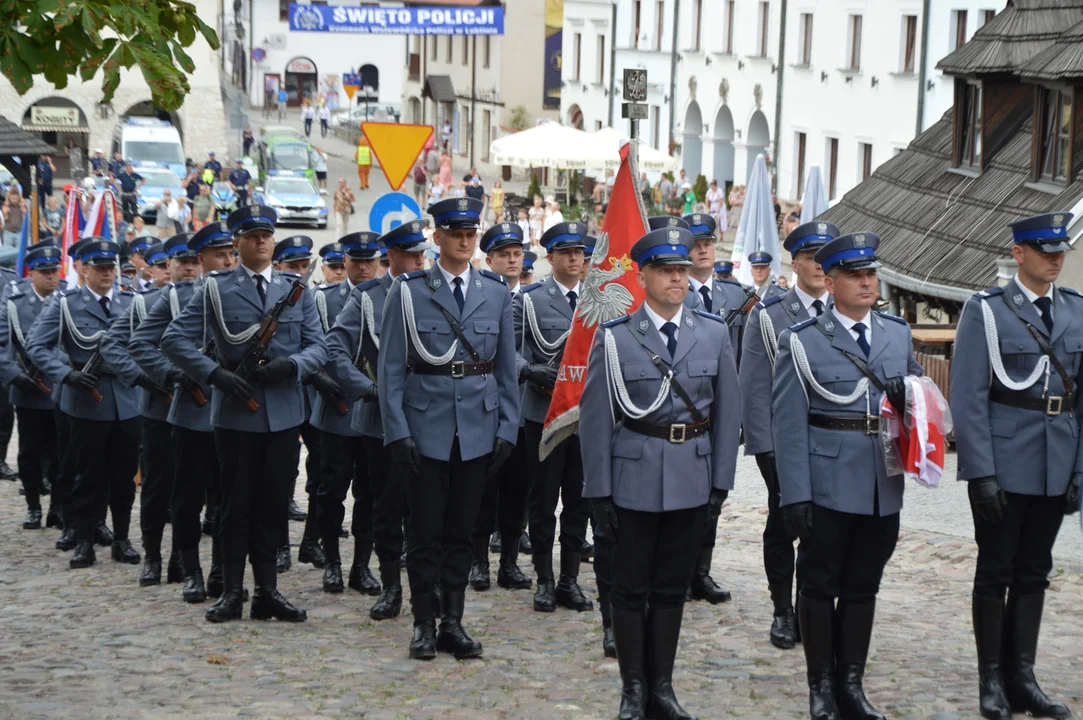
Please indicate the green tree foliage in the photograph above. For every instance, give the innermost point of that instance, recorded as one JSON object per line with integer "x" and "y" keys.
{"x": 58, "y": 39}
{"x": 534, "y": 189}
{"x": 700, "y": 188}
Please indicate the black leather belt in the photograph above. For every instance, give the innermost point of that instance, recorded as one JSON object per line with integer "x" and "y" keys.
{"x": 673, "y": 433}
{"x": 454, "y": 369}
{"x": 869, "y": 424}
{"x": 1050, "y": 405}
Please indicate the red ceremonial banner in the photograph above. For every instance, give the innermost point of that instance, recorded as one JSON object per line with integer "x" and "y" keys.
{"x": 609, "y": 291}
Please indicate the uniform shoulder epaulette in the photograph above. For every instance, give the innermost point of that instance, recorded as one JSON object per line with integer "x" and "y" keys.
{"x": 328, "y": 286}
{"x": 531, "y": 286}
{"x": 126, "y": 291}
{"x": 991, "y": 292}
{"x": 141, "y": 291}
{"x": 72, "y": 291}
{"x": 414, "y": 275}
{"x": 182, "y": 283}
{"x": 896, "y": 318}
{"x": 492, "y": 276}
{"x": 803, "y": 324}
{"x": 288, "y": 275}
{"x": 771, "y": 300}
{"x": 219, "y": 273}
{"x": 1071, "y": 291}
{"x": 617, "y": 321}
{"x": 368, "y": 285}
{"x": 16, "y": 291}
{"x": 730, "y": 282}
{"x": 710, "y": 316}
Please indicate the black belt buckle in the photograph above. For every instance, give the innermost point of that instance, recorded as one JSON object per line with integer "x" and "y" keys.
{"x": 677, "y": 433}
{"x": 872, "y": 425}
{"x": 458, "y": 369}
{"x": 1054, "y": 404}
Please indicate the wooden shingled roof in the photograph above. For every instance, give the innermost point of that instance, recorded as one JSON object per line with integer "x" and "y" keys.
{"x": 1063, "y": 59}
{"x": 942, "y": 227}
{"x": 15, "y": 141}
{"x": 1014, "y": 36}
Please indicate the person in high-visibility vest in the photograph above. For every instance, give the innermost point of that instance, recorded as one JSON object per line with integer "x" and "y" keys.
{"x": 364, "y": 161}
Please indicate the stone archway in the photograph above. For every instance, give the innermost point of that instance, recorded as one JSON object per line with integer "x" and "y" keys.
{"x": 723, "y": 146}
{"x": 692, "y": 144}
{"x": 758, "y": 139}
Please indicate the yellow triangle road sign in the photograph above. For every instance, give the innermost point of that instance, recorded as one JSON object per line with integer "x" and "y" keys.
{"x": 397, "y": 147}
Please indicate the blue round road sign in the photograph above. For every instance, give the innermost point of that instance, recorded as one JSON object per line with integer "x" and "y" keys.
{"x": 392, "y": 210}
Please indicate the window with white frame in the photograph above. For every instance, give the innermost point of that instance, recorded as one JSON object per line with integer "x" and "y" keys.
{"x": 853, "y": 42}
{"x": 958, "y": 28}
{"x": 729, "y": 11}
{"x": 805, "y": 49}
{"x": 763, "y": 22}
{"x": 909, "y": 43}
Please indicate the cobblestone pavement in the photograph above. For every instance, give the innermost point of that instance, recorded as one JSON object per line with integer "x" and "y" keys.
{"x": 91, "y": 644}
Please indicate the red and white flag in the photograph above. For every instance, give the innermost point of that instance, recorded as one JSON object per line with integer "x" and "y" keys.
{"x": 609, "y": 291}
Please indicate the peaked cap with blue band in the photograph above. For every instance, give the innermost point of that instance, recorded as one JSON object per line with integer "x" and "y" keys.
{"x": 702, "y": 225}
{"x": 251, "y": 218}
{"x": 1045, "y": 233}
{"x": 457, "y": 213}
{"x": 667, "y": 246}
{"x": 529, "y": 258}
{"x": 811, "y": 236}
{"x": 177, "y": 246}
{"x": 362, "y": 245}
{"x": 141, "y": 243}
{"x": 588, "y": 245}
{"x": 500, "y": 236}
{"x": 759, "y": 258}
{"x": 856, "y": 251}
{"x": 297, "y": 247}
{"x": 42, "y": 257}
{"x": 98, "y": 251}
{"x": 211, "y": 235}
{"x": 407, "y": 237}
{"x": 564, "y": 236}
{"x": 156, "y": 254}
{"x": 724, "y": 267}
{"x": 333, "y": 253}
{"x": 658, "y": 222}
{"x": 74, "y": 248}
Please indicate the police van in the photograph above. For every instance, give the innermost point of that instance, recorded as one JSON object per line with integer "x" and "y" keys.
{"x": 150, "y": 141}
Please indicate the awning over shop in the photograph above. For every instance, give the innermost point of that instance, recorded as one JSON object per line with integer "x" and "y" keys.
{"x": 439, "y": 88}
{"x": 29, "y": 127}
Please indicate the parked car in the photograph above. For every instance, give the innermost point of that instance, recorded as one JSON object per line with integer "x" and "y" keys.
{"x": 294, "y": 198}
{"x": 375, "y": 112}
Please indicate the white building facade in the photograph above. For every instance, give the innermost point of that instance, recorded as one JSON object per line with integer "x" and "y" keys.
{"x": 77, "y": 113}
{"x": 587, "y": 53}
{"x": 859, "y": 83}
{"x": 309, "y": 64}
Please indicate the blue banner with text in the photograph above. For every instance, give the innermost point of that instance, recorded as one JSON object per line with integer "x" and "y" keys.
{"x": 375, "y": 20}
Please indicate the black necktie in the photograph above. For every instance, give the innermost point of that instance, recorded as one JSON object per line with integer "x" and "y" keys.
{"x": 572, "y": 298}
{"x": 458, "y": 293}
{"x": 259, "y": 288}
{"x": 1045, "y": 307}
{"x": 705, "y": 292}
{"x": 818, "y": 306}
{"x": 670, "y": 331}
{"x": 862, "y": 343}
{"x": 104, "y": 302}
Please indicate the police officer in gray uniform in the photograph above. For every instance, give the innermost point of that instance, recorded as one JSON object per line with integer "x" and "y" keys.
{"x": 763, "y": 283}
{"x": 256, "y": 447}
{"x": 835, "y": 492}
{"x": 342, "y": 457}
{"x": 353, "y": 346}
{"x": 807, "y": 299}
{"x": 660, "y": 400}
{"x": 1015, "y": 381}
{"x": 505, "y": 498}
{"x": 543, "y": 320}
{"x": 101, "y": 404}
{"x": 28, "y": 391}
{"x": 154, "y": 401}
{"x": 449, "y": 402}
{"x": 191, "y": 440}
{"x": 724, "y": 298}
{"x": 294, "y": 255}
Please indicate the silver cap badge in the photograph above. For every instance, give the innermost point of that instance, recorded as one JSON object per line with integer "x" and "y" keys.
{"x": 821, "y": 228}
{"x": 859, "y": 240}
{"x": 464, "y": 203}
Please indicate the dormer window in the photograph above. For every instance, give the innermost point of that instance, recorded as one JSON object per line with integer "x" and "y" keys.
{"x": 1052, "y": 156}
{"x": 966, "y": 153}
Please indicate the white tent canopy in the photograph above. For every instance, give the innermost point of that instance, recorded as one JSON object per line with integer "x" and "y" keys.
{"x": 549, "y": 145}
{"x": 756, "y": 231}
{"x": 815, "y": 201}
{"x": 606, "y": 144}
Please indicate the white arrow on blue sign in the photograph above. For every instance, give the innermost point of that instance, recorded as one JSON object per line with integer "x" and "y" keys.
{"x": 392, "y": 210}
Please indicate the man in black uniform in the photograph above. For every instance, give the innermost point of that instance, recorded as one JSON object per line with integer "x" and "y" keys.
{"x": 128, "y": 180}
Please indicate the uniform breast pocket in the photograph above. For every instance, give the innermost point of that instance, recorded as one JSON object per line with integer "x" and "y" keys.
{"x": 839, "y": 378}
{"x": 435, "y": 334}
{"x": 642, "y": 381}
{"x": 553, "y": 329}
{"x": 238, "y": 320}
{"x": 1073, "y": 343}
{"x": 486, "y": 332}
{"x": 893, "y": 368}
{"x": 701, "y": 373}
{"x": 1019, "y": 353}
